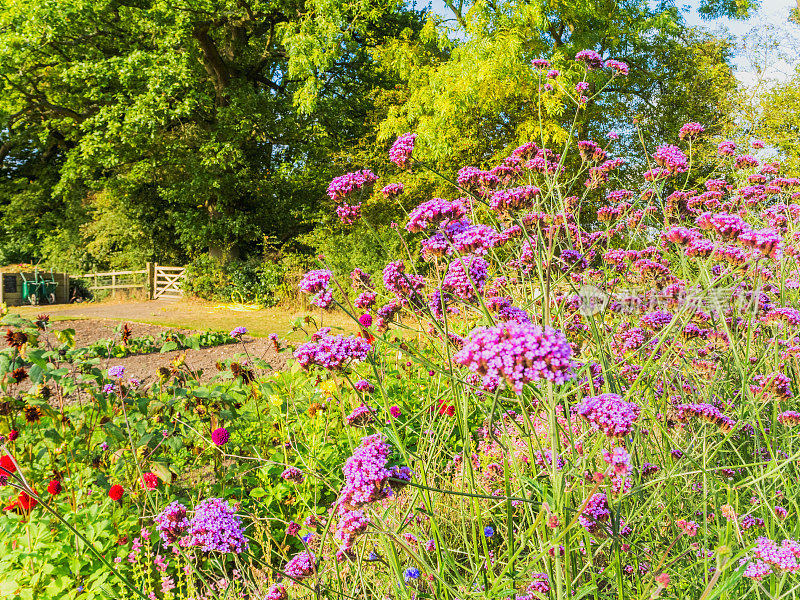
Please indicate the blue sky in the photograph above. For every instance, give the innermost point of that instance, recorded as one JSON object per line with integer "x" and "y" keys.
{"x": 771, "y": 20}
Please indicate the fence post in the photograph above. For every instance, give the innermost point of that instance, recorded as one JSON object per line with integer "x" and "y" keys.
{"x": 150, "y": 268}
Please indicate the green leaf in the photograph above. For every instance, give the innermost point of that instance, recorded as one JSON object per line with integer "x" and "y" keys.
{"x": 66, "y": 336}
{"x": 258, "y": 493}
{"x": 162, "y": 471}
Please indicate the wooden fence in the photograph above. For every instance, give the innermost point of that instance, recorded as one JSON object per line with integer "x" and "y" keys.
{"x": 167, "y": 282}
{"x": 158, "y": 281}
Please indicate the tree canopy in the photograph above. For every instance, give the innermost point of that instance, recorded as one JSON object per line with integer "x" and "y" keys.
{"x": 145, "y": 129}
{"x": 211, "y": 121}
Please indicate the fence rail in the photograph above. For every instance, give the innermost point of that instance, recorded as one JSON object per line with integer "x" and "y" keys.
{"x": 158, "y": 280}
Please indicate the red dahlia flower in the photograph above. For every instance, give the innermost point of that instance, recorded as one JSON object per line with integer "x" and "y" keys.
{"x": 7, "y": 466}
{"x": 23, "y": 504}
{"x": 116, "y": 492}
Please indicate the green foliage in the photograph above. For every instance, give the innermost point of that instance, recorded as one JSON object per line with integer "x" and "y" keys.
{"x": 204, "y": 126}
{"x": 265, "y": 281}
{"x": 166, "y": 341}
{"x": 779, "y": 122}
{"x": 483, "y": 101}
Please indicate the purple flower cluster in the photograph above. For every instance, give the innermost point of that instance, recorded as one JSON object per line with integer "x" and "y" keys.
{"x": 360, "y": 416}
{"x": 277, "y": 592}
{"x": 476, "y": 239}
{"x": 518, "y": 353}
{"x": 656, "y": 320}
{"x": 117, "y": 372}
{"x": 351, "y": 524}
{"x": 726, "y": 148}
{"x": 293, "y": 474}
{"x": 401, "y": 150}
{"x": 745, "y": 161}
{"x": 365, "y": 299}
{"x": 362, "y": 385}
{"x": 301, "y": 566}
{"x": 609, "y": 413}
{"x": 317, "y": 282}
{"x": 172, "y": 523}
{"x": 365, "y": 473}
{"x": 238, "y": 332}
{"x": 466, "y": 283}
{"x": 348, "y": 214}
{"x": 595, "y": 513}
{"x": 671, "y": 158}
{"x": 789, "y": 418}
{"x": 769, "y": 557}
{"x": 216, "y": 527}
{"x": 619, "y": 67}
{"x": 691, "y": 131}
{"x": 705, "y": 412}
{"x": 345, "y": 184}
{"x": 393, "y": 190}
{"x": 514, "y": 198}
{"x": 332, "y": 352}
{"x": 591, "y": 58}
{"x": 434, "y": 211}
{"x": 405, "y": 287}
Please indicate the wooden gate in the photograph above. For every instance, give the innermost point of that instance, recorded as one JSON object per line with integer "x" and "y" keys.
{"x": 167, "y": 281}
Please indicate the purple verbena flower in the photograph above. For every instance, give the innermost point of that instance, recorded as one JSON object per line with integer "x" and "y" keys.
{"x": 609, "y": 413}
{"x": 401, "y": 150}
{"x": 518, "y": 353}
{"x": 332, "y": 352}
{"x": 216, "y": 527}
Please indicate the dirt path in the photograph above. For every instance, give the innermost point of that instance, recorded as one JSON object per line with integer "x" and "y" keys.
{"x": 191, "y": 314}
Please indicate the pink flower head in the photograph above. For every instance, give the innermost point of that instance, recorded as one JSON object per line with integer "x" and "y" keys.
{"x": 609, "y": 413}
{"x": 619, "y": 67}
{"x": 401, "y": 150}
{"x": 590, "y": 58}
{"x": 220, "y": 436}
{"x": 517, "y": 353}
{"x": 346, "y": 184}
{"x": 691, "y": 131}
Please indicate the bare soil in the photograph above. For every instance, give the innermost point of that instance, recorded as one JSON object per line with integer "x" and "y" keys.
{"x": 145, "y": 366}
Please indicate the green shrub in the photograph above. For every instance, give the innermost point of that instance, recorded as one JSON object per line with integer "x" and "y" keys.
{"x": 265, "y": 281}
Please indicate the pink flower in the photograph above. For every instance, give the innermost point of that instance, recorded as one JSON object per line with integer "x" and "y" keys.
{"x": 401, "y": 150}
{"x": 220, "y": 436}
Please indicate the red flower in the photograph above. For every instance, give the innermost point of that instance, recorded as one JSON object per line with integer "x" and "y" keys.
{"x": 116, "y": 492}
{"x": 445, "y": 409}
{"x": 12, "y": 435}
{"x": 366, "y": 335}
{"x": 24, "y": 503}
{"x": 7, "y": 465}
{"x": 54, "y": 487}
{"x": 149, "y": 481}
